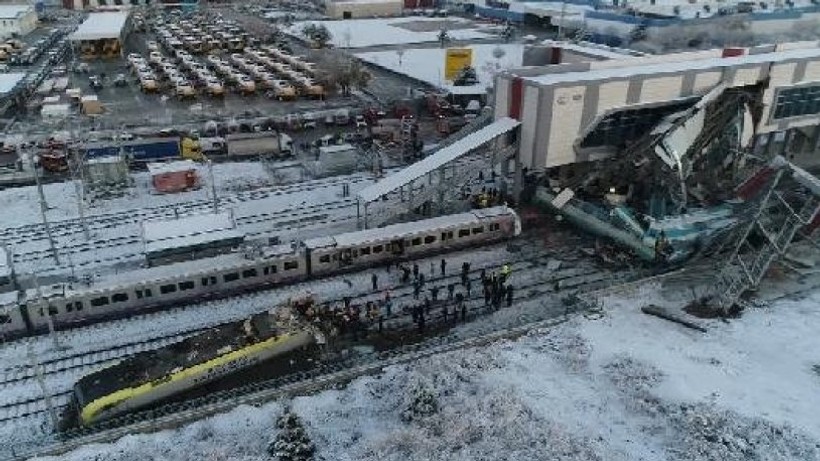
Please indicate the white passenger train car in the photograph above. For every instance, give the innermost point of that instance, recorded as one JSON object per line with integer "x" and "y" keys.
{"x": 220, "y": 276}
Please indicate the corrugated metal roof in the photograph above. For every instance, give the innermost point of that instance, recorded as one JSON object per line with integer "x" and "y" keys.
{"x": 442, "y": 157}
{"x": 13, "y": 11}
{"x": 101, "y": 25}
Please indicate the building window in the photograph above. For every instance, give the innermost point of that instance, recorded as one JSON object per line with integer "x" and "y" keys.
{"x": 794, "y": 102}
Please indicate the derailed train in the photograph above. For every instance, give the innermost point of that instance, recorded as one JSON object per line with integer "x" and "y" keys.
{"x": 155, "y": 288}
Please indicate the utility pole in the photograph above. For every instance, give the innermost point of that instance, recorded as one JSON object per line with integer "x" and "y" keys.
{"x": 38, "y": 372}
{"x": 76, "y": 166}
{"x": 43, "y": 210}
{"x": 213, "y": 185}
{"x": 561, "y": 24}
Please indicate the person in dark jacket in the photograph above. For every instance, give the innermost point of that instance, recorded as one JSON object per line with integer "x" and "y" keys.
{"x": 415, "y": 271}
{"x": 450, "y": 289}
{"x": 434, "y": 293}
{"x": 443, "y": 266}
{"x": 509, "y": 295}
{"x": 374, "y": 279}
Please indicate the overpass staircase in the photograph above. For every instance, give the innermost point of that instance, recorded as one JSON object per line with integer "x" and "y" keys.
{"x": 786, "y": 206}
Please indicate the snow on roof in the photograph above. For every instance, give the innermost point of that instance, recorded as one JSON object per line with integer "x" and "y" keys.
{"x": 592, "y": 49}
{"x": 171, "y": 167}
{"x": 9, "y": 81}
{"x": 394, "y": 230}
{"x": 13, "y": 11}
{"x": 333, "y": 149}
{"x": 427, "y": 64}
{"x": 672, "y": 67}
{"x": 436, "y": 160}
{"x": 101, "y": 25}
{"x": 8, "y": 299}
{"x": 357, "y": 33}
{"x": 187, "y": 225}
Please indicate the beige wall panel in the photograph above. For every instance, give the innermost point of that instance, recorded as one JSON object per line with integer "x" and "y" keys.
{"x": 705, "y": 81}
{"x": 612, "y": 94}
{"x": 529, "y": 110}
{"x": 566, "y": 122}
{"x": 661, "y": 89}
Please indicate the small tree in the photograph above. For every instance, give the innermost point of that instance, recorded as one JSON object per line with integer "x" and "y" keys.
{"x": 308, "y": 30}
{"x": 322, "y": 36}
{"x": 419, "y": 404}
{"x": 292, "y": 442}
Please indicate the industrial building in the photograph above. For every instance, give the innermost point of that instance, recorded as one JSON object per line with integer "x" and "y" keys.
{"x": 17, "y": 20}
{"x": 101, "y": 35}
{"x": 350, "y": 9}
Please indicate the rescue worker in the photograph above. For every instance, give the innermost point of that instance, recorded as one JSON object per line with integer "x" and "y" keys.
{"x": 450, "y": 289}
{"x": 416, "y": 289}
{"x": 434, "y": 293}
{"x": 661, "y": 247}
{"x": 374, "y": 279}
{"x": 469, "y": 287}
{"x": 505, "y": 272}
{"x": 415, "y": 271}
{"x": 509, "y": 295}
{"x": 443, "y": 266}
{"x": 465, "y": 271}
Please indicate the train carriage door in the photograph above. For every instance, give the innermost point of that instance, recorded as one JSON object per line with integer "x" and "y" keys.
{"x": 397, "y": 247}
{"x": 346, "y": 258}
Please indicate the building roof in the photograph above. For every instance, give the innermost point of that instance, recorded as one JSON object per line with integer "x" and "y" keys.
{"x": 189, "y": 231}
{"x": 672, "y": 67}
{"x": 442, "y": 157}
{"x": 5, "y": 269}
{"x": 171, "y": 167}
{"x": 101, "y": 25}
{"x": 9, "y": 81}
{"x": 14, "y": 11}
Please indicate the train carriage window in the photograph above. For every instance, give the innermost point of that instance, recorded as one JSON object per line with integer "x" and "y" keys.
{"x": 69, "y": 307}
{"x": 355, "y": 253}
{"x": 494, "y": 226}
{"x": 52, "y": 310}
{"x": 148, "y": 293}
{"x": 210, "y": 280}
{"x": 446, "y": 235}
{"x": 269, "y": 270}
{"x": 248, "y": 273}
{"x": 463, "y": 232}
{"x": 290, "y": 265}
{"x": 188, "y": 285}
{"x": 429, "y": 239}
{"x": 119, "y": 298}
{"x": 477, "y": 230}
{"x": 165, "y": 289}
{"x": 5, "y": 318}
{"x": 377, "y": 249}
{"x": 324, "y": 259}
{"x": 365, "y": 251}
{"x": 138, "y": 292}
{"x": 232, "y": 277}
{"x": 78, "y": 306}
{"x": 101, "y": 301}
{"x": 416, "y": 241}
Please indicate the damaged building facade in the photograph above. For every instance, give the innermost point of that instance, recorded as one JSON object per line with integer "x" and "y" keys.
{"x": 668, "y": 156}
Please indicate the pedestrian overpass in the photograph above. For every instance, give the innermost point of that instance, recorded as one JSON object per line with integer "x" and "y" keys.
{"x": 440, "y": 179}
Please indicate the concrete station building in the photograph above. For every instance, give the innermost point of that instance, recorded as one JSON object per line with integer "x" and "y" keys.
{"x": 101, "y": 35}
{"x": 579, "y": 112}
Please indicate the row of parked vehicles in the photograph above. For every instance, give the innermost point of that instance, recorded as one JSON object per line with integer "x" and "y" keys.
{"x": 202, "y": 34}
{"x": 53, "y": 46}
{"x": 287, "y": 76}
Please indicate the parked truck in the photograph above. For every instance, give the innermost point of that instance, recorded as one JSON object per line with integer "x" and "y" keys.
{"x": 146, "y": 150}
{"x": 266, "y": 143}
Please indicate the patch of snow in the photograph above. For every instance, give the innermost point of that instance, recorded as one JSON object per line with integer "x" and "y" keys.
{"x": 359, "y": 33}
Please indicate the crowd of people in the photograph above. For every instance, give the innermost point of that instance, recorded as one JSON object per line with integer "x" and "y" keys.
{"x": 432, "y": 300}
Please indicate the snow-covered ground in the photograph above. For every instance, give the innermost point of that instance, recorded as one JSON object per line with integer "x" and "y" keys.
{"x": 427, "y": 64}
{"x": 615, "y": 386}
{"x": 359, "y": 33}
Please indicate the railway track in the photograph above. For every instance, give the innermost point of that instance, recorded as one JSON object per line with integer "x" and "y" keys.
{"x": 287, "y": 219}
{"x": 68, "y": 227}
{"x": 94, "y": 359}
{"x": 323, "y": 376}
